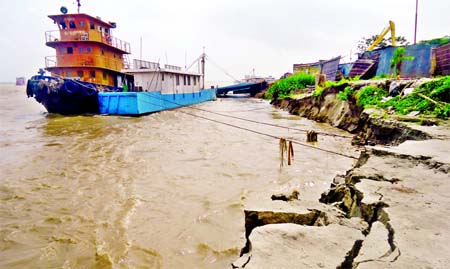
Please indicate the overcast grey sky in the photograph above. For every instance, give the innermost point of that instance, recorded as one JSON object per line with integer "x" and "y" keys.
{"x": 239, "y": 35}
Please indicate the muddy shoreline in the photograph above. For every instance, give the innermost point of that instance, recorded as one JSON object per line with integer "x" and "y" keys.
{"x": 386, "y": 211}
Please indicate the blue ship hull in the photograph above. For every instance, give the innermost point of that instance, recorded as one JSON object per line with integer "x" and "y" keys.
{"x": 139, "y": 103}
{"x": 72, "y": 97}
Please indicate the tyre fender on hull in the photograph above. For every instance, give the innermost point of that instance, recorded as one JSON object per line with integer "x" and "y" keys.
{"x": 89, "y": 90}
{"x": 30, "y": 89}
{"x": 71, "y": 87}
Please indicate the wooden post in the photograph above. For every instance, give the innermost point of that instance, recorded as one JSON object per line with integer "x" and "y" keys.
{"x": 311, "y": 136}
{"x": 320, "y": 80}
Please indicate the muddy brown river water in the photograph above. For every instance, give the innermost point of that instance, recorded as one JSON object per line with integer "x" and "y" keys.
{"x": 166, "y": 190}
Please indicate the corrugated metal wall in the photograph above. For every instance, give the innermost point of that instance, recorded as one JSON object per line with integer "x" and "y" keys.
{"x": 419, "y": 67}
{"x": 442, "y": 59}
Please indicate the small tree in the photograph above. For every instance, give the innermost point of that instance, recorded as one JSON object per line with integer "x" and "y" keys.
{"x": 364, "y": 42}
{"x": 397, "y": 59}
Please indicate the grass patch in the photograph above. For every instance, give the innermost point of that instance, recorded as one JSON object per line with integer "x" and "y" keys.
{"x": 382, "y": 76}
{"x": 329, "y": 84}
{"x": 318, "y": 91}
{"x": 285, "y": 87}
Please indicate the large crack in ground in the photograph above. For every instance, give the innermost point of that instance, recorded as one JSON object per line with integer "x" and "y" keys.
{"x": 342, "y": 194}
{"x": 374, "y": 188}
{"x": 255, "y": 219}
{"x": 348, "y": 198}
{"x": 375, "y": 182}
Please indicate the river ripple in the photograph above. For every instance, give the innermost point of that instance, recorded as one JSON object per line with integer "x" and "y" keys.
{"x": 165, "y": 190}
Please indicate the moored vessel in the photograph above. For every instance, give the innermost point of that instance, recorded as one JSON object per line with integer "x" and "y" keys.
{"x": 91, "y": 73}
{"x": 20, "y": 81}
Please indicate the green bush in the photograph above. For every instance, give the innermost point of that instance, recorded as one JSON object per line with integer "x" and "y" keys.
{"x": 437, "y": 41}
{"x": 346, "y": 93}
{"x": 369, "y": 96}
{"x": 284, "y": 87}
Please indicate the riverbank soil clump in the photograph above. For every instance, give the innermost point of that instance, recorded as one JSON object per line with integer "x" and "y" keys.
{"x": 388, "y": 211}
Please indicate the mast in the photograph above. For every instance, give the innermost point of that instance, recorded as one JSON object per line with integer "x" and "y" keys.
{"x": 140, "y": 51}
{"x": 415, "y": 24}
{"x": 79, "y": 5}
{"x": 203, "y": 67}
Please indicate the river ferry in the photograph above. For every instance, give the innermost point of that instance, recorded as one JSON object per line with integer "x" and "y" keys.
{"x": 91, "y": 73}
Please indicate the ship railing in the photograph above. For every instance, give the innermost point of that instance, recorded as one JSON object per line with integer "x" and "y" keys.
{"x": 52, "y": 36}
{"x": 117, "y": 43}
{"x": 172, "y": 67}
{"x": 84, "y": 60}
{"x": 77, "y": 35}
{"x": 140, "y": 64}
{"x": 50, "y": 61}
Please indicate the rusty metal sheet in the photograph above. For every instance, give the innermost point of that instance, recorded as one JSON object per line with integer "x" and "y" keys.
{"x": 330, "y": 67}
{"x": 442, "y": 57}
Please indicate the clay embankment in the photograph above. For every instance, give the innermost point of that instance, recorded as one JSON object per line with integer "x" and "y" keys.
{"x": 347, "y": 115}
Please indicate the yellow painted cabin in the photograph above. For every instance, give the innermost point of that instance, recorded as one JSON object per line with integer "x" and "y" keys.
{"x": 86, "y": 50}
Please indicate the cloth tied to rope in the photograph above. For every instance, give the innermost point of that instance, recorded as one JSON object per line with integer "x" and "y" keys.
{"x": 286, "y": 148}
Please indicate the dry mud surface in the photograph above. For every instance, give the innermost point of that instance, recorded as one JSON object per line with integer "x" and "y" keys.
{"x": 389, "y": 211}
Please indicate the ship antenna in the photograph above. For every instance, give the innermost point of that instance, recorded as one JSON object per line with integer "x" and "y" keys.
{"x": 79, "y": 5}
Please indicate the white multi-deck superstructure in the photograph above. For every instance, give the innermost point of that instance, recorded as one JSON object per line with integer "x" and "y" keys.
{"x": 168, "y": 79}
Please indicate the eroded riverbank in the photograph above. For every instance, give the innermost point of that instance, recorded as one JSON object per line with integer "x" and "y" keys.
{"x": 387, "y": 211}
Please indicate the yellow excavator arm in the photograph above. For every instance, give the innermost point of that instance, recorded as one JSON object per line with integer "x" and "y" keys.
{"x": 391, "y": 28}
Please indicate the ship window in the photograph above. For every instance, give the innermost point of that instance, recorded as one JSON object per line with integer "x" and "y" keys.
{"x": 162, "y": 76}
{"x": 80, "y": 73}
{"x": 68, "y": 74}
{"x": 63, "y": 24}
{"x": 189, "y": 80}
{"x": 62, "y": 50}
{"x": 92, "y": 74}
{"x": 184, "y": 80}
{"x": 177, "y": 78}
{"x": 72, "y": 25}
{"x": 103, "y": 52}
{"x": 89, "y": 49}
{"x": 107, "y": 30}
{"x": 195, "y": 80}
{"x": 104, "y": 75}
{"x": 81, "y": 49}
{"x": 69, "y": 50}
{"x": 92, "y": 25}
{"x": 81, "y": 24}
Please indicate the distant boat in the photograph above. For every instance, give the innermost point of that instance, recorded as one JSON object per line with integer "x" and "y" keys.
{"x": 91, "y": 74}
{"x": 20, "y": 81}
